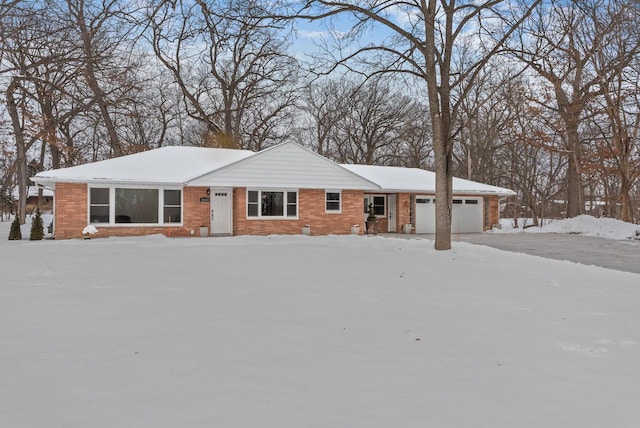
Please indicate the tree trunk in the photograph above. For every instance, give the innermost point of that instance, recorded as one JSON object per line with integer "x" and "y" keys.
{"x": 21, "y": 155}
{"x": 444, "y": 184}
{"x": 90, "y": 77}
{"x": 575, "y": 190}
{"x": 626, "y": 211}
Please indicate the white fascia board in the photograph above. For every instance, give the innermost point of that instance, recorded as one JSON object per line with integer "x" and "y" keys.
{"x": 50, "y": 182}
{"x": 504, "y": 193}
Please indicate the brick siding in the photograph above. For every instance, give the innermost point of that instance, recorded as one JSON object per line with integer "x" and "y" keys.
{"x": 494, "y": 211}
{"x": 70, "y": 210}
{"x": 311, "y": 211}
{"x": 71, "y": 205}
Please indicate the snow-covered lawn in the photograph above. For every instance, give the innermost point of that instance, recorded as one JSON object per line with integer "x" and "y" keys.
{"x": 584, "y": 225}
{"x": 311, "y": 332}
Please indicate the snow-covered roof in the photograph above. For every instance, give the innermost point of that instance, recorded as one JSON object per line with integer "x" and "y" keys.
{"x": 166, "y": 165}
{"x": 32, "y": 191}
{"x": 415, "y": 180}
{"x": 285, "y": 165}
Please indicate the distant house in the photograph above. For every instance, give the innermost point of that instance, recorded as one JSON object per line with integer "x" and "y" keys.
{"x": 46, "y": 202}
{"x": 187, "y": 191}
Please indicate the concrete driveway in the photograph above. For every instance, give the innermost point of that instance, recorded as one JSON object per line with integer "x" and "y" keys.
{"x": 620, "y": 255}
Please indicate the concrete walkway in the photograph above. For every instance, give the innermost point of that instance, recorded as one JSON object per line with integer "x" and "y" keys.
{"x": 621, "y": 255}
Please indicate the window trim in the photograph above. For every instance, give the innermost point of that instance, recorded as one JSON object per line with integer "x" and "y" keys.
{"x": 112, "y": 205}
{"x": 285, "y": 204}
{"x": 326, "y": 201}
{"x": 165, "y": 206}
{"x": 89, "y": 205}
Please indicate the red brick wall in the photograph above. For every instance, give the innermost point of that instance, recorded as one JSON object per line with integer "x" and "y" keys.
{"x": 403, "y": 215}
{"x": 195, "y": 213}
{"x": 494, "y": 211}
{"x": 71, "y": 214}
{"x": 70, "y": 210}
{"x": 71, "y": 206}
{"x": 311, "y": 211}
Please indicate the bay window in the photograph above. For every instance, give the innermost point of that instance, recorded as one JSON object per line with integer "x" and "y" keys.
{"x": 128, "y": 205}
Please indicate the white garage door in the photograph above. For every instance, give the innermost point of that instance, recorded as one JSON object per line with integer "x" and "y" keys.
{"x": 425, "y": 214}
{"x": 466, "y": 215}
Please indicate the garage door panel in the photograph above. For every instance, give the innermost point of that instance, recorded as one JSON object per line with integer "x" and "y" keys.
{"x": 425, "y": 214}
{"x": 466, "y": 215}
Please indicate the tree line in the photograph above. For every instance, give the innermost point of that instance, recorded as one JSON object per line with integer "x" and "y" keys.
{"x": 541, "y": 97}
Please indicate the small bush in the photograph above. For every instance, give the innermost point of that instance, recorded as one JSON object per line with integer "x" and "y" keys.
{"x": 37, "y": 228}
{"x": 15, "y": 234}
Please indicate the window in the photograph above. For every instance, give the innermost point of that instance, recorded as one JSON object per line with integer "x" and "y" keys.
{"x": 471, "y": 201}
{"x": 378, "y": 204}
{"x": 172, "y": 206}
{"x": 457, "y": 201}
{"x": 263, "y": 203}
{"x": 332, "y": 201}
{"x": 272, "y": 204}
{"x": 292, "y": 204}
{"x": 134, "y": 206}
{"x": 98, "y": 205}
{"x": 252, "y": 203}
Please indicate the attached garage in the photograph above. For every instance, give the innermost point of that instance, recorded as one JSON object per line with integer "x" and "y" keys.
{"x": 466, "y": 214}
{"x": 475, "y": 205}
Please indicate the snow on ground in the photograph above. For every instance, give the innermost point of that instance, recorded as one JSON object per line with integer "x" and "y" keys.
{"x": 311, "y": 332}
{"x": 585, "y": 225}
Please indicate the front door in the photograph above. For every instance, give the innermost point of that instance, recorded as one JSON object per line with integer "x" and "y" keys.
{"x": 221, "y": 211}
{"x": 391, "y": 213}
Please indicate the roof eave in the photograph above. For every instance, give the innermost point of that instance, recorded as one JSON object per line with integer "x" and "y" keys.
{"x": 46, "y": 181}
{"x": 455, "y": 192}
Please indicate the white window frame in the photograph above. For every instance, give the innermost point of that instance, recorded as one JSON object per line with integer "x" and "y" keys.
{"x": 285, "y": 203}
{"x": 163, "y": 206}
{"x": 89, "y": 204}
{"x": 339, "y": 210}
{"x": 112, "y": 205}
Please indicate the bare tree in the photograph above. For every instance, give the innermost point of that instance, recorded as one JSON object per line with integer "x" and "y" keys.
{"x": 368, "y": 122}
{"x": 486, "y": 116}
{"x": 230, "y": 64}
{"x": 35, "y": 79}
{"x": 104, "y": 43}
{"x": 620, "y": 104}
{"x": 324, "y": 107}
{"x": 561, "y": 45}
{"x": 438, "y": 42}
